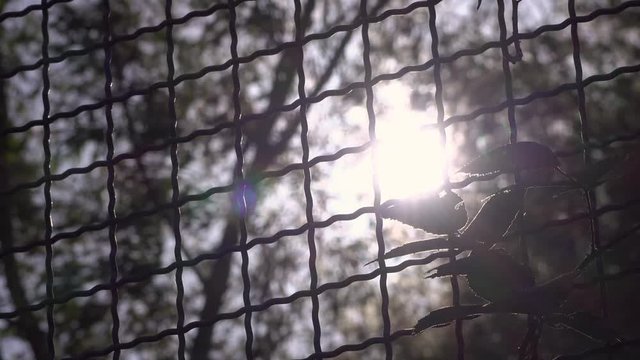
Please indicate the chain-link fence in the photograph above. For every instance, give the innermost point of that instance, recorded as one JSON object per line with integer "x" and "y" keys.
{"x": 508, "y": 44}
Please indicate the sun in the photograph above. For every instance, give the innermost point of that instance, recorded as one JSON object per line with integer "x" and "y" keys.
{"x": 410, "y": 158}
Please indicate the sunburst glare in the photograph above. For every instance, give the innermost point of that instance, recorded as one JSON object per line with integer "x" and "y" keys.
{"x": 410, "y": 158}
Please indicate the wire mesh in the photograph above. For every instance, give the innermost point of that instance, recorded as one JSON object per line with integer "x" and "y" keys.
{"x": 437, "y": 79}
{"x": 111, "y": 211}
{"x": 303, "y": 100}
{"x": 47, "y": 170}
{"x": 304, "y": 139}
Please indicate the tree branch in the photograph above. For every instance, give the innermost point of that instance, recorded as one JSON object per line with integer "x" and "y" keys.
{"x": 152, "y": 191}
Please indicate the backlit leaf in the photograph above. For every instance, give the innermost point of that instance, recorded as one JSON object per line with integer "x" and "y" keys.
{"x": 492, "y": 274}
{"x": 512, "y": 157}
{"x": 540, "y": 300}
{"x": 434, "y": 256}
{"x": 446, "y": 315}
{"x": 495, "y": 216}
{"x": 545, "y": 298}
{"x": 528, "y": 223}
{"x": 509, "y": 284}
{"x": 437, "y": 214}
{"x": 439, "y": 243}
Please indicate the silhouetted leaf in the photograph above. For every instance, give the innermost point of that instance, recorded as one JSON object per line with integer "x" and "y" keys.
{"x": 544, "y": 298}
{"x": 446, "y": 315}
{"x": 528, "y": 223}
{"x": 495, "y": 216}
{"x": 586, "y": 324}
{"x": 438, "y": 214}
{"x": 439, "y": 243}
{"x": 516, "y": 291}
{"x": 512, "y": 157}
{"x": 537, "y": 177}
{"x": 492, "y": 274}
{"x": 434, "y": 256}
{"x": 540, "y": 300}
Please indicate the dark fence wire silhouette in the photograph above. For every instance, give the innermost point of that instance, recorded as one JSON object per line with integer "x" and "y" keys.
{"x": 300, "y": 104}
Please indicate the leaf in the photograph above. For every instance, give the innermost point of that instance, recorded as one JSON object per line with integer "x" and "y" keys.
{"x": 537, "y": 176}
{"x": 511, "y": 158}
{"x": 437, "y": 214}
{"x": 435, "y": 256}
{"x": 586, "y": 324}
{"x": 542, "y": 299}
{"x": 514, "y": 291}
{"x": 492, "y": 274}
{"x": 545, "y": 298}
{"x": 446, "y": 315}
{"x": 528, "y": 222}
{"x": 495, "y": 216}
{"x": 503, "y": 279}
{"x": 439, "y": 243}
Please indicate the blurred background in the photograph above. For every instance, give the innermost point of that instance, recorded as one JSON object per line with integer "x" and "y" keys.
{"x": 411, "y": 159}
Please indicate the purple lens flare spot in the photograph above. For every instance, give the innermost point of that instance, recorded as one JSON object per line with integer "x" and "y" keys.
{"x": 244, "y": 198}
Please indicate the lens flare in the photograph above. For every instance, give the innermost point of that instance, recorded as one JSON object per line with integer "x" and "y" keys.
{"x": 244, "y": 198}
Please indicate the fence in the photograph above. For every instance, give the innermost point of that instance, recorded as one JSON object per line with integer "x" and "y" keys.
{"x": 243, "y": 247}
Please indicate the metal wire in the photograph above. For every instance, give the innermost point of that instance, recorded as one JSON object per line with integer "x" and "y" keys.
{"x": 46, "y": 168}
{"x": 143, "y": 276}
{"x": 437, "y": 80}
{"x": 325, "y": 35}
{"x": 304, "y": 140}
{"x": 586, "y": 137}
{"x": 111, "y": 206}
{"x": 236, "y": 124}
{"x": 384, "y": 293}
{"x": 31, "y": 8}
{"x": 530, "y": 341}
{"x": 239, "y": 179}
{"x": 590, "y": 195}
{"x": 115, "y": 39}
{"x": 175, "y": 186}
{"x": 337, "y": 92}
{"x": 207, "y": 12}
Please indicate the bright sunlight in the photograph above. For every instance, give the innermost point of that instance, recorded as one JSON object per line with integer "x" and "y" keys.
{"x": 410, "y": 157}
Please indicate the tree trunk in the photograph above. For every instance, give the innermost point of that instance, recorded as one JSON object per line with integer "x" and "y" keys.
{"x": 27, "y": 323}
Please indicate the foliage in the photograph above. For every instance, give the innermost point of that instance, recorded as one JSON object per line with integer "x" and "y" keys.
{"x": 493, "y": 275}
